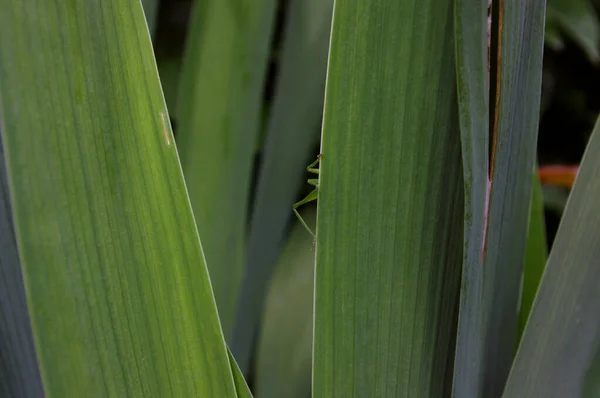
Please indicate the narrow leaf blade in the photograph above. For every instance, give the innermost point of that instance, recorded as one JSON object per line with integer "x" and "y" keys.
{"x": 117, "y": 287}
{"x": 561, "y": 336}
{"x": 218, "y": 114}
{"x": 389, "y": 225}
{"x": 292, "y": 132}
{"x": 470, "y": 18}
{"x": 536, "y": 253}
{"x": 517, "y": 73}
{"x": 284, "y": 358}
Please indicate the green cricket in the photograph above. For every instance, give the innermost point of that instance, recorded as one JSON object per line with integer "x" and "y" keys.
{"x": 311, "y": 196}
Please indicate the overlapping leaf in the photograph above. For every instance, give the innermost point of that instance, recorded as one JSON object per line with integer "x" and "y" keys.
{"x": 293, "y": 131}
{"x": 117, "y": 288}
{"x": 218, "y": 114}
{"x": 560, "y": 341}
{"x": 390, "y": 212}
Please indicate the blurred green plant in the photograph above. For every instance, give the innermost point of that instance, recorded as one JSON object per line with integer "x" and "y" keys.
{"x": 430, "y": 275}
{"x": 577, "y": 20}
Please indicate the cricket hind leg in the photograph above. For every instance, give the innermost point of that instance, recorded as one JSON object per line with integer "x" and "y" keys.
{"x": 312, "y": 196}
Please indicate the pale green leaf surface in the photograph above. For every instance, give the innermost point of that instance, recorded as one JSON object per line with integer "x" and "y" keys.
{"x": 517, "y": 107}
{"x": 284, "y": 357}
{"x": 19, "y": 373}
{"x": 578, "y": 19}
{"x": 536, "y": 252}
{"x": 562, "y": 335}
{"x": 390, "y": 210}
{"x": 293, "y": 130}
{"x": 470, "y": 18}
{"x": 218, "y": 109}
{"x": 118, "y": 291}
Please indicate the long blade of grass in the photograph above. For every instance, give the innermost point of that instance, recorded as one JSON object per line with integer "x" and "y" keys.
{"x": 517, "y": 74}
{"x": 562, "y": 333}
{"x": 470, "y": 19}
{"x": 536, "y": 252}
{"x": 118, "y": 291}
{"x": 218, "y": 109}
{"x": 390, "y": 212}
{"x": 19, "y": 373}
{"x": 284, "y": 357}
{"x": 293, "y": 131}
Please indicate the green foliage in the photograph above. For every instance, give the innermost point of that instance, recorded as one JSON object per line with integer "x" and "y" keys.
{"x": 536, "y": 253}
{"x": 470, "y": 26}
{"x": 576, "y": 19}
{"x": 284, "y": 355}
{"x": 117, "y": 289}
{"x": 218, "y": 111}
{"x": 291, "y": 133}
{"x": 389, "y": 227}
{"x": 431, "y": 261}
{"x": 516, "y": 94}
{"x": 561, "y": 336}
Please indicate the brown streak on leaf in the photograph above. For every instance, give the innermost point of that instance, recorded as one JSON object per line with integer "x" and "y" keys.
{"x": 495, "y": 126}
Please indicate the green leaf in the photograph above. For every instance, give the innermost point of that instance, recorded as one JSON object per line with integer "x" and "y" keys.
{"x": 578, "y": 19}
{"x": 470, "y": 18}
{"x": 536, "y": 252}
{"x": 284, "y": 357}
{"x": 390, "y": 210}
{"x": 591, "y": 387}
{"x": 240, "y": 383}
{"x": 516, "y": 94}
{"x": 218, "y": 111}
{"x": 293, "y": 131}
{"x": 562, "y": 334}
{"x": 117, "y": 287}
{"x": 19, "y": 372}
